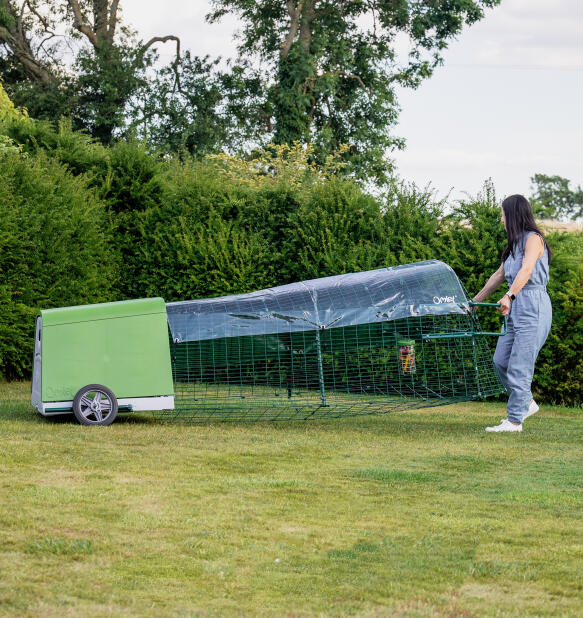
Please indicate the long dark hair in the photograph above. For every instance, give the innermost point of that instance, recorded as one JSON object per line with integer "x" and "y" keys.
{"x": 519, "y": 219}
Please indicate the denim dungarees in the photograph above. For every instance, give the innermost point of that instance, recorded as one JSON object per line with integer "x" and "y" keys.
{"x": 529, "y": 323}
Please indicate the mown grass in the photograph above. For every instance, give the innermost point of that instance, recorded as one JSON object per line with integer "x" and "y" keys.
{"x": 418, "y": 513}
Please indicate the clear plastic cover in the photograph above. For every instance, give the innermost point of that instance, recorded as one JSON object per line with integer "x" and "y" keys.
{"x": 423, "y": 288}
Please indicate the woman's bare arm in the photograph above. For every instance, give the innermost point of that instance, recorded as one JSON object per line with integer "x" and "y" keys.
{"x": 493, "y": 283}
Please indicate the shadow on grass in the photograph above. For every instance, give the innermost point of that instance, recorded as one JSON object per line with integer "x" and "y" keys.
{"x": 24, "y": 412}
{"x": 430, "y": 424}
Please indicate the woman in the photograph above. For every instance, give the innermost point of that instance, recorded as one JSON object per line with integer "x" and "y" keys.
{"x": 525, "y": 265}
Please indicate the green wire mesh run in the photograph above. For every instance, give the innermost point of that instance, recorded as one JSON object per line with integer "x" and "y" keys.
{"x": 359, "y": 370}
{"x": 335, "y": 371}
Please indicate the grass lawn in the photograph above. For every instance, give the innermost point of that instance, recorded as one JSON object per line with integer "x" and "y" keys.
{"x": 417, "y": 513}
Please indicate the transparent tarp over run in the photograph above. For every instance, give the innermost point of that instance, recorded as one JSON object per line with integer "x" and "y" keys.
{"x": 386, "y": 294}
{"x": 360, "y": 343}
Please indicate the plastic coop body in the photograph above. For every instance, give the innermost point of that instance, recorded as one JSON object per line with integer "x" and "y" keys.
{"x": 122, "y": 345}
{"x": 358, "y": 343}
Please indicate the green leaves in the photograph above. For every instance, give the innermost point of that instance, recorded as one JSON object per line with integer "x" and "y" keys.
{"x": 6, "y": 18}
{"x": 334, "y": 68}
{"x": 55, "y": 250}
{"x": 107, "y": 77}
{"x": 559, "y": 376}
{"x": 316, "y": 72}
{"x": 83, "y": 223}
{"x": 554, "y": 199}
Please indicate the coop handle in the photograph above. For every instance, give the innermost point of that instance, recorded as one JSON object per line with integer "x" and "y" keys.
{"x": 472, "y": 333}
{"x": 504, "y": 324}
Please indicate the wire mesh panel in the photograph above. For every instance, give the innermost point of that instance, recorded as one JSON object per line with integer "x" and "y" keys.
{"x": 339, "y": 346}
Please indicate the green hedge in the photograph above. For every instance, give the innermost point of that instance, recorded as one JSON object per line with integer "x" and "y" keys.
{"x": 83, "y": 223}
{"x": 559, "y": 373}
{"x": 56, "y": 249}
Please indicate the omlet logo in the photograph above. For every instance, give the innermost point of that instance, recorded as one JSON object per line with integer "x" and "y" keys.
{"x": 443, "y": 299}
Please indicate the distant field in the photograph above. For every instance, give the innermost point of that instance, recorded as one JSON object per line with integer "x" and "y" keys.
{"x": 561, "y": 226}
{"x": 417, "y": 513}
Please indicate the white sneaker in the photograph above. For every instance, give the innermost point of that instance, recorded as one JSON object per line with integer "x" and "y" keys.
{"x": 532, "y": 409}
{"x": 505, "y": 425}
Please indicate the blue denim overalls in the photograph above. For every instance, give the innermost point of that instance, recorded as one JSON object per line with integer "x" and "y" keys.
{"x": 529, "y": 323}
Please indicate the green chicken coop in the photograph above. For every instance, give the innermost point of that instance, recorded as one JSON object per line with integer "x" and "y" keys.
{"x": 352, "y": 344}
{"x": 94, "y": 360}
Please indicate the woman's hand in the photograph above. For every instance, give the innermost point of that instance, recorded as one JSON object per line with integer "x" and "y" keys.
{"x": 504, "y": 303}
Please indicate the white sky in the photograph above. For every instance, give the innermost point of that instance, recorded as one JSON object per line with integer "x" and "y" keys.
{"x": 506, "y": 104}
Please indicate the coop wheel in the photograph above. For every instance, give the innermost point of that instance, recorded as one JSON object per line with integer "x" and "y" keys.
{"x": 95, "y": 404}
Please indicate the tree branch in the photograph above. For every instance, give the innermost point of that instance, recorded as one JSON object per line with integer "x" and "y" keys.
{"x": 101, "y": 21}
{"x": 40, "y": 17}
{"x": 80, "y": 24}
{"x": 19, "y": 23}
{"x": 112, "y": 20}
{"x": 162, "y": 39}
{"x": 374, "y": 16}
{"x": 47, "y": 26}
{"x": 357, "y": 78}
{"x": 5, "y": 35}
{"x": 159, "y": 39}
{"x": 294, "y": 13}
{"x": 52, "y": 35}
{"x": 15, "y": 39}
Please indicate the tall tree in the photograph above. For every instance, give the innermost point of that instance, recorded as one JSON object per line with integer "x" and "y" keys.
{"x": 38, "y": 48}
{"x": 200, "y": 108}
{"x": 335, "y": 65}
{"x": 553, "y": 197}
{"x": 20, "y": 24}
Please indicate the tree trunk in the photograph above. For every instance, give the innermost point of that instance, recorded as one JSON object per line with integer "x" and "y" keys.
{"x": 296, "y": 68}
{"x": 101, "y": 20}
{"x": 12, "y": 35}
{"x": 306, "y": 27}
{"x": 295, "y": 14}
{"x": 104, "y": 21}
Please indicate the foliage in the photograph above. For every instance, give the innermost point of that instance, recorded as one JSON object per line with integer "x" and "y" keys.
{"x": 413, "y": 221}
{"x": 9, "y": 113}
{"x": 228, "y": 225}
{"x": 206, "y": 236}
{"x": 7, "y": 145}
{"x": 7, "y": 108}
{"x": 107, "y": 77}
{"x": 184, "y": 228}
{"x": 335, "y": 229}
{"x": 334, "y": 66}
{"x": 124, "y": 177}
{"x": 223, "y": 225}
{"x": 76, "y": 150}
{"x": 553, "y": 198}
{"x": 122, "y": 174}
{"x": 327, "y": 74}
{"x": 471, "y": 242}
{"x": 55, "y": 250}
{"x": 191, "y": 106}
{"x": 48, "y": 71}
{"x": 339, "y": 229}
{"x": 559, "y": 376}
{"x": 279, "y": 164}
{"x": 42, "y": 100}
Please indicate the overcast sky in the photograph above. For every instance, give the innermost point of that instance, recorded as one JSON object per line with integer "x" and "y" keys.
{"x": 505, "y": 105}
